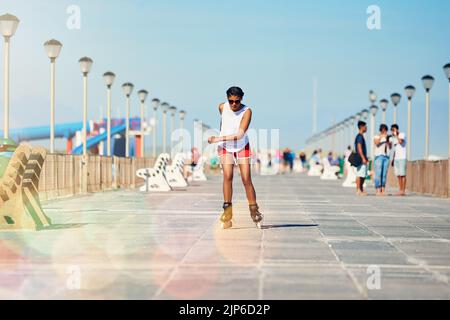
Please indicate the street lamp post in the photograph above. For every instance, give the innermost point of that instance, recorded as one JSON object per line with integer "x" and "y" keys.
{"x": 365, "y": 114}
{"x": 143, "y": 94}
{"x": 358, "y": 117}
{"x": 351, "y": 124}
{"x": 109, "y": 78}
{"x": 53, "y": 49}
{"x": 428, "y": 82}
{"x": 8, "y": 27}
{"x": 128, "y": 90}
{"x": 164, "y": 108}
{"x": 409, "y": 91}
{"x": 182, "y": 114}
{"x": 372, "y": 97}
{"x": 384, "y": 105}
{"x": 173, "y": 111}
{"x": 447, "y": 73}
{"x": 373, "y": 112}
{"x": 86, "y": 65}
{"x": 395, "y": 98}
{"x": 155, "y": 105}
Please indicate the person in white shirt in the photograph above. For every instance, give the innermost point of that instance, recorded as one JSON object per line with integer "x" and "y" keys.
{"x": 399, "y": 158}
{"x": 234, "y": 148}
{"x": 382, "y": 146}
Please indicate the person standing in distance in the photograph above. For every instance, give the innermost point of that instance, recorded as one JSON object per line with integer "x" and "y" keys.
{"x": 234, "y": 148}
{"x": 361, "y": 150}
{"x": 399, "y": 160}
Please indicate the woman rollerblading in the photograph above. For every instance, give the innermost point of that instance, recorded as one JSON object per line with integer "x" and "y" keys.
{"x": 234, "y": 149}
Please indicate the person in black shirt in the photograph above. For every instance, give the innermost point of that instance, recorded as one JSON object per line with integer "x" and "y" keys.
{"x": 361, "y": 150}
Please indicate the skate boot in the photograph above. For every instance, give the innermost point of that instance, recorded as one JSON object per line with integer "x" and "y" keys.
{"x": 257, "y": 216}
{"x": 227, "y": 216}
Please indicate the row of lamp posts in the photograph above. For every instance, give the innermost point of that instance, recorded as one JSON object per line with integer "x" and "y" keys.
{"x": 322, "y": 138}
{"x": 8, "y": 27}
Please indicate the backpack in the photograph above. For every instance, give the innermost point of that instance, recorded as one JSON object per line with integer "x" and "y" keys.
{"x": 355, "y": 159}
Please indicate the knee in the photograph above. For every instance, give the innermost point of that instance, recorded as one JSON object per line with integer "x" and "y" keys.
{"x": 247, "y": 181}
{"x": 228, "y": 177}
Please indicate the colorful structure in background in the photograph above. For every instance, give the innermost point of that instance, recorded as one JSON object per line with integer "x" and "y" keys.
{"x": 97, "y": 136}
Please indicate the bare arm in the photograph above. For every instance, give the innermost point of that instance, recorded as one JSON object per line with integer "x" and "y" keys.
{"x": 361, "y": 153}
{"x": 245, "y": 124}
{"x": 377, "y": 141}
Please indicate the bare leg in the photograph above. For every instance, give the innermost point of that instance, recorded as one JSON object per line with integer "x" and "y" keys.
{"x": 228, "y": 171}
{"x": 244, "y": 166}
{"x": 404, "y": 185}
{"x": 400, "y": 186}
{"x": 358, "y": 185}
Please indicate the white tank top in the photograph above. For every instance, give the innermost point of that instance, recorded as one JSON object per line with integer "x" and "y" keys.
{"x": 231, "y": 122}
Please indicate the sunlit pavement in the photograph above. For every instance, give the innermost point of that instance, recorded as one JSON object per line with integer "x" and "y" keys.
{"x": 320, "y": 242}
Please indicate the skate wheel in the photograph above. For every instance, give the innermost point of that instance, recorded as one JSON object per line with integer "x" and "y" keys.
{"x": 227, "y": 225}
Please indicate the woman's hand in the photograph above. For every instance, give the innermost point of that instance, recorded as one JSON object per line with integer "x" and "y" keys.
{"x": 212, "y": 140}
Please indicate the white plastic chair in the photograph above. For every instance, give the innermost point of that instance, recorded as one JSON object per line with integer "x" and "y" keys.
{"x": 315, "y": 170}
{"x": 329, "y": 171}
{"x": 350, "y": 180}
{"x": 155, "y": 179}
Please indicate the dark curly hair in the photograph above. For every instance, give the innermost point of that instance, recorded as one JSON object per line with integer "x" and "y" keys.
{"x": 235, "y": 91}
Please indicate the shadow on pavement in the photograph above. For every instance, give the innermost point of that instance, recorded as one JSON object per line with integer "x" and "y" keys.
{"x": 283, "y": 226}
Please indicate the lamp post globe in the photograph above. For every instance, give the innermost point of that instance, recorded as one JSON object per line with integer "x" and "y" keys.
{"x": 142, "y": 94}
{"x": 86, "y": 65}
{"x": 384, "y": 105}
{"x": 428, "y": 82}
{"x": 365, "y": 114}
{"x": 410, "y": 91}
{"x": 53, "y": 48}
{"x": 372, "y": 96}
{"x": 109, "y": 78}
{"x": 8, "y": 25}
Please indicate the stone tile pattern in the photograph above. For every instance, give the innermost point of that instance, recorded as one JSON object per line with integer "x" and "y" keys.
{"x": 319, "y": 242}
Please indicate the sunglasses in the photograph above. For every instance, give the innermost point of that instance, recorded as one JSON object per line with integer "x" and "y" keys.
{"x": 234, "y": 102}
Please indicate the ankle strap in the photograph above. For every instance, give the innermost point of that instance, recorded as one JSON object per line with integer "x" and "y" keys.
{"x": 227, "y": 205}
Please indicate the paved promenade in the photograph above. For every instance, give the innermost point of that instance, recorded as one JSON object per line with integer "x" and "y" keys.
{"x": 320, "y": 242}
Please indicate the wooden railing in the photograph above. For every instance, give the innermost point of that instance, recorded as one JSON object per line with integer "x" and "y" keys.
{"x": 62, "y": 174}
{"x": 425, "y": 177}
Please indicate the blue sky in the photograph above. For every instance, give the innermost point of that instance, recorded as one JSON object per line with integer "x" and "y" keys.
{"x": 190, "y": 52}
